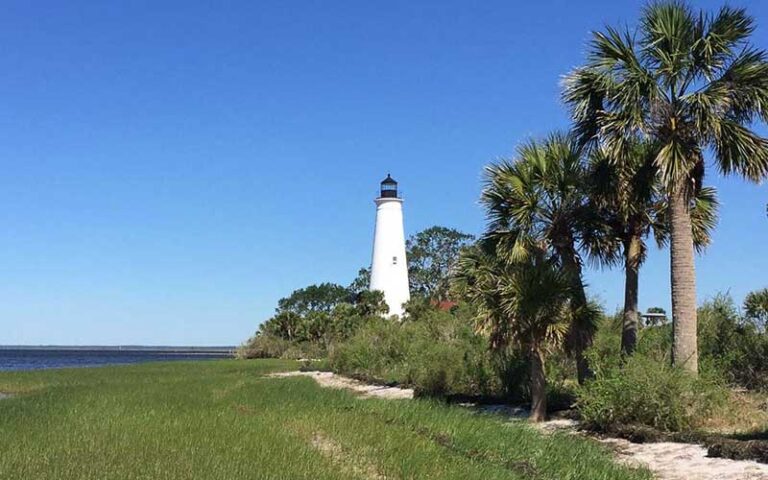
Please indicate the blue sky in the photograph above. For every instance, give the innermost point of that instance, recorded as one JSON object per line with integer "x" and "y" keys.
{"x": 171, "y": 169}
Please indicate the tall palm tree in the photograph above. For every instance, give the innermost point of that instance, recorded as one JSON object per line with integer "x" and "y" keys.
{"x": 522, "y": 305}
{"x": 629, "y": 198}
{"x": 688, "y": 82}
{"x": 538, "y": 201}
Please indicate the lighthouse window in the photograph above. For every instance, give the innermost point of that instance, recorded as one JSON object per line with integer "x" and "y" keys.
{"x": 394, "y": 260}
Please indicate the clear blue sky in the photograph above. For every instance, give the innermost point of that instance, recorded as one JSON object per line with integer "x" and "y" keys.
{"x": 169, "y": 172}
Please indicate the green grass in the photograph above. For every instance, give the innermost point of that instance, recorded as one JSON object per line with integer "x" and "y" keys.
{"x": 223, "y": 420}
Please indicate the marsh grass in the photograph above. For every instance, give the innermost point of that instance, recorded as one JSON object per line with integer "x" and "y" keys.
{"x": 225, "y": 420}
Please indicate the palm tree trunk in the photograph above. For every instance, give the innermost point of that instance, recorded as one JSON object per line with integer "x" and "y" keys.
{"x": 632, "y": 253}
{"x": 538, "y": 387}
{"x": 683, "y": 276}
{"x": 583, "y": 370}
{"x": 579, "y": 336}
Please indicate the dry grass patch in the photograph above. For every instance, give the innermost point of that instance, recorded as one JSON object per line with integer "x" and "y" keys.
{"x": 744, "y": 412}
{"x": 351, "y": 462}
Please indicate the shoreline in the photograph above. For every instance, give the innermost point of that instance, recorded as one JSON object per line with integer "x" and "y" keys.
{"x": 169, "y": 350}
{"x": 48, "y": 359}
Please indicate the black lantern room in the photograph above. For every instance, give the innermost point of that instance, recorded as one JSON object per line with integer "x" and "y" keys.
{"x": 389, "y": 187}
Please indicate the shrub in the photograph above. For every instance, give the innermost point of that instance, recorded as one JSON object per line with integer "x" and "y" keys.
{"x": 264, "y": 346}
{"x": 513, "y": 374}
{"x": 652, "y": 341}
{"x": 731, "y": 345}
{"x": 373, "y": 353}
{"x": 734, "y": 345}
{"x": 304, "y": 351}
{"x": 646, "y": 391}
{"x": 437, "y": 355}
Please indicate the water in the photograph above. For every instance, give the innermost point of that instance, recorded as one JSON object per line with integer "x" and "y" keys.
{"x": 36, "y": 359}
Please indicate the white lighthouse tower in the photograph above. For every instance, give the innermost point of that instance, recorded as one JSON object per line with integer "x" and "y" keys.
{"x": 389, "y": 268}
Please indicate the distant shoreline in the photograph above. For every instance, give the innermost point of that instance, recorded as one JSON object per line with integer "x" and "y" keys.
{"x": 47, "y": 357}
{"x": 185, "y": 350}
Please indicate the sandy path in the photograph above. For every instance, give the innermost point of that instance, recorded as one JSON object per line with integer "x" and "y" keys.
{"x": 668, "y": 461}
{"x": 331, "y": 380}
{"x": 683, "y": 461}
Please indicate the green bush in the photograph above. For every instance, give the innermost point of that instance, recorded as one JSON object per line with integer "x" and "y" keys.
{"x": 264, "y": 345}
{"x": 654, "y": 341}
{"x": 304, "y": 351}
{"x": 645, "y": 391}
{"x": 733, "y": 344}
{"x": 437, "y": 355}
{"x": 373, "y": 353}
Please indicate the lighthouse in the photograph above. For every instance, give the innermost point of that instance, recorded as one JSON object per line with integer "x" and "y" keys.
{"x": 389, "y": 268}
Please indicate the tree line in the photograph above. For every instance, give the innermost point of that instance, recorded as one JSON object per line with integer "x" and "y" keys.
{"x": 646, "y": 106}
{"x": 311, "y": 318}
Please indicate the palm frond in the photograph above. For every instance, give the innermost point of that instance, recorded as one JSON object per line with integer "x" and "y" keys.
{"x": 739, "y": 150}
{"x": 676, "y": 160}
{"x": 719, "y": 37}
{"x": 669, "y": 34}
{"x": 740, "y": 93}
{"x": 704, "y": 216}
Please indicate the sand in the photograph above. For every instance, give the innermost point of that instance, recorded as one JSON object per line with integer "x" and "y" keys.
{"x": 667, "y": 460}
{"x": 684, "y": 461}
{"x": 331, "y": 380}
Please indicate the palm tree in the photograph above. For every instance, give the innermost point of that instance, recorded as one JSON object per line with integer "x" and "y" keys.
{"x": 285, "y": 324}
{"x": 522, "y": 305}
{"x": 538, "y": 201}
{"x": 756, "y": 308}
{"x": 630, "y": 201}
{"x": 686, "y": 82}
